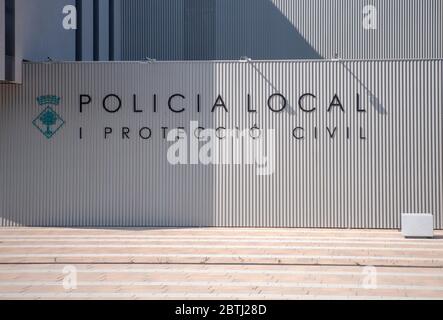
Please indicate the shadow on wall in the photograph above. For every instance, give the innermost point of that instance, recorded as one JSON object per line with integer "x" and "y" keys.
{"x": 98, "y": 182}
{"x": 210, "y": 30}
{"x": 259, "y": 30}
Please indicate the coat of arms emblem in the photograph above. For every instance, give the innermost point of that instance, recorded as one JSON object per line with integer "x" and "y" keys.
{"x": 48, "y": 122}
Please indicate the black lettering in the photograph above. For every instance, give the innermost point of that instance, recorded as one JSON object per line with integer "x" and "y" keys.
{"x": 302, "y": 98}
{"x": 164, "y": 131}
{"x": 331, "y": 134}
{"x": 155, "y": 103}
{"x": 197, "y": 135}
{"x": 145, "y": 137}
{"x": 125, "y": 133}
{"x": 170, "y": 101}
{"x": 336, "y": 103}
{"x": 83, "y": 102}
{"x": 282, "y": 99}
{"x": 298, "y": 137}
{"x": 219, "y": 103}
{"x": 180, "y": 130}
{"x": 249, "y": 104}
{"x": 217, "y": 130}
{"x": 134, "y": 104}
{"x": 108, "y": 130}
{"x": 359, "y": 108}
{"x": 115, "y": 97}
{"x": 362, "y": 134}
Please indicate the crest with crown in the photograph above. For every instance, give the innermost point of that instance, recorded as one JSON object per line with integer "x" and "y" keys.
{"x": 48, "y": 100}
{"x": 48, "y": 122}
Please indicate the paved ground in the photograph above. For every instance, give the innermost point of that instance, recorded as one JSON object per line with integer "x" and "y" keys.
{"x": 218, "y": 264}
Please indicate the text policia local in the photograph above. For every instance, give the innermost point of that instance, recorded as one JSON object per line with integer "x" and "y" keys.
{"x": 177, "y": 103}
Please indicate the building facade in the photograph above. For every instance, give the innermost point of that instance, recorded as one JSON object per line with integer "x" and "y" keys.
{"x": 219, "y": 30}
{"x": 348, "y": 144}
{"x": 347, "y": 96}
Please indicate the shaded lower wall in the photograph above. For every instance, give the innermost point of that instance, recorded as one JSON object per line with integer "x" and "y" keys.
{"x": 318, "y": 181}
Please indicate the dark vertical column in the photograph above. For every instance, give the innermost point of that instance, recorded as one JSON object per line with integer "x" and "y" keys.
{"x": 78, "y": 32}
{"x": 111, "y": 30}
{"x": 9, "y": 40}
{"x": 10, "y": 28}
{"x": 96, "y": 30}
{"x": 199, "y": 29}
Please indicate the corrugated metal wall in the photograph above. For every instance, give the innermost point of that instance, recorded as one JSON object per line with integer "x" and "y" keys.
{"x": 153, "y": 29}
{"x": 199, "y": 30}
{"x": 406, "y": 29}
{"x": 280, "y": 29}
{"x": 340, "y": 183}
{"x": 323, "y": 182}
{"x": 311, "y": 29}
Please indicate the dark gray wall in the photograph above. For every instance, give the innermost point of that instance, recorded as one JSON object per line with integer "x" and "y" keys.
{"x": 280, "y": 29}
{"x": 2, "y": 40}
{"x": 152, "y": 29}
{"x": 199, "y": 29}
{"x": 10, "y": 41}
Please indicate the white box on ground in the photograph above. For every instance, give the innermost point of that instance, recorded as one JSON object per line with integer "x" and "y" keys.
{"x": 417, "y": 225}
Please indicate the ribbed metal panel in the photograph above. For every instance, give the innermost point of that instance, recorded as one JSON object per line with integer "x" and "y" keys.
{"x": 65, "y": 181}
{"x": 199, "y": 29}
{"x": 341, "y": 183}
{"x": 406, "y": 29}
{"x": 280, "y": 29}
{"x": 152, "y": 29}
